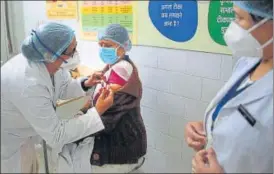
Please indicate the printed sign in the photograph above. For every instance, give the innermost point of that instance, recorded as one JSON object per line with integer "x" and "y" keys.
{"x": 61, "y": 9}
{"x": 176, "y": 20}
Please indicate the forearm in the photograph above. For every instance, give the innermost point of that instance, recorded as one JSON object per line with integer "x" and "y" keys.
{"x": 86, "y": 107}
{"x": 76, "y": 89}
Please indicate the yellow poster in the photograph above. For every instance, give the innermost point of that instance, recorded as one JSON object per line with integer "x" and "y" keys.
{"x": 96, "y": 15}
{"x": 61, "y": 9}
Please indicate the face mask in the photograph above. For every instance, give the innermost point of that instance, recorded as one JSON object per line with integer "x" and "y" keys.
{"x": 72, "y": 62}
{"x": 242, "y": 43}
{"x": 109, "y": 55}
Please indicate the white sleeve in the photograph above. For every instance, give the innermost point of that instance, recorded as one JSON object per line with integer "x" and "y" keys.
{"x": 36, "y": 106}
{"x": 124, "y": 69}
{"x": 70, "y": 88}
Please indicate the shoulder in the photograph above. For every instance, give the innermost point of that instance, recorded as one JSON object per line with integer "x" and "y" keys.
{"x": 13, "y": 75}
{"x": 123, "y": 68}
{"x": 28, "y": 92}
{"x": 14, "y": 64}
{"x": 123, "y": 64}
{"x": 244, "y": 61}
{"x": 23, "y": 79}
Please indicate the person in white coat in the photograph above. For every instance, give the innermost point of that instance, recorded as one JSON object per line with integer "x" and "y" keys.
{"x": 236, "y": 135}
{"x": 31, "y": 84}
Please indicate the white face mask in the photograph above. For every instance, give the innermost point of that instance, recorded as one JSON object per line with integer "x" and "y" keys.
{"x": 72, "y": 62}
{"x": 242, "y": 43}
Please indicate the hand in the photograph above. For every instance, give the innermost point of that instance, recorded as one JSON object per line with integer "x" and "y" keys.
{"x": 87, "y": 106}
{"x": 78, "y": 114}
{"x": 205, "y": 161}
{"x": 94, "y": 79}
{"x": 104, "y": 101}
{"x": 195, "y": 136}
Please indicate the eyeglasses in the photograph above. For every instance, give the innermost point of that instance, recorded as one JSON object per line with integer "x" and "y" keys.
{"x": 69, "y": 54}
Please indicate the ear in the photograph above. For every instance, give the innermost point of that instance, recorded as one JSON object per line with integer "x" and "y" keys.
{"x": 121, "y": 51}
{"x": 58, "y": 61}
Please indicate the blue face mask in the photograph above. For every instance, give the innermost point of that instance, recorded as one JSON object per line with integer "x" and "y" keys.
{"x": 108, "y": 55}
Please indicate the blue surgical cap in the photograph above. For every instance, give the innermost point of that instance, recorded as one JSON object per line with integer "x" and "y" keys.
{"x": 48, "y": 42}
{"x": 262, "y": 8}
{"x": 116, "y": 33}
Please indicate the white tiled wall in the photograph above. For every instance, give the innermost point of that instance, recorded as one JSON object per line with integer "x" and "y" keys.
{"x": 178, "y": 85}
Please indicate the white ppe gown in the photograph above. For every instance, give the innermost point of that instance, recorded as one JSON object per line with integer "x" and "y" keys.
{"x": 240, "y": 147}
{"x": 28, "y": 98}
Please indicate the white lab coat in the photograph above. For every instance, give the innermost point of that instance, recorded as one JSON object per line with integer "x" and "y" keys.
{"x": 75, "y": 158}
{"x": 27, "y": 112}
{"x": 239, "y": 146}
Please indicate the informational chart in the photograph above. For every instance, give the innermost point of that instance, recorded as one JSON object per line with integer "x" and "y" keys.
{"x": 96, "y": 15}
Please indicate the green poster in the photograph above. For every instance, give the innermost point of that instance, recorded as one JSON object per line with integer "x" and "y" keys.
{"x": 220, "y": 15}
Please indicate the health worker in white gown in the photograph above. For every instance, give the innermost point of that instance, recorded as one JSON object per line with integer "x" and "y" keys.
{"x": 31, "y": 84}
{"x": 236, "y": 135}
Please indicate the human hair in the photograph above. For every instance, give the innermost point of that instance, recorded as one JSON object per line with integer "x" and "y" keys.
{"x": 263, "y": 5}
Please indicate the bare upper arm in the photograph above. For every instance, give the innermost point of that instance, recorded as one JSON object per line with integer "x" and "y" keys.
{"x": 124, "y": 69}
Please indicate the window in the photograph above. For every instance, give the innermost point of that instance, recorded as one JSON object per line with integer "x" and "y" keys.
{"x": 4, "y": 37}
{"x": 11, "y": 29}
